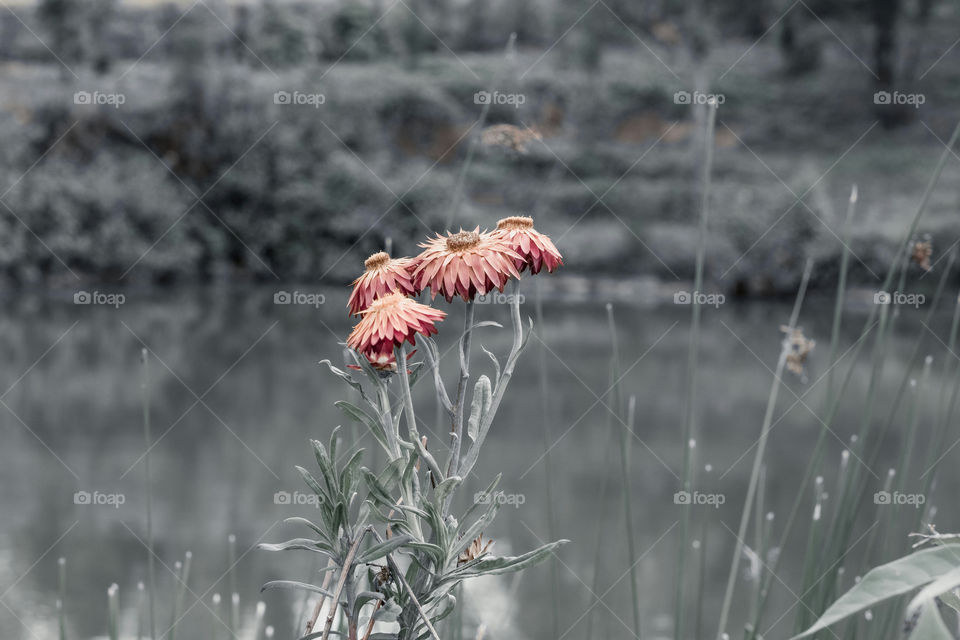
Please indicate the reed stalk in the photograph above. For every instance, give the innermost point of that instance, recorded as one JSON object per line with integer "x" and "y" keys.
{"x": 548, "y": 471}
{"x": 758, "y": 458}
{"x": 180, "y": 593}
{"x": 113, "y": 612}
{"x": 690, "y": 404}
{"x": 151, "y": 569}
{"x": 61, "y": 601}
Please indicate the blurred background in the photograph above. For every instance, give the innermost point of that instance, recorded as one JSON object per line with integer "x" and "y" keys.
{"x": 168, "y": 169}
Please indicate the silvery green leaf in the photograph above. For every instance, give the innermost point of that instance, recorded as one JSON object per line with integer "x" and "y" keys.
{"x": 304, "y": 544}
{"x": 416, "y": 369}
{"x": 316, "y": 528}
{"x": 332, "y": 448}
{"x": 389, "y": 612}
{"x": 432, "y": 550}
{"x": 357, "y": 414}
{"x": 482, "y": 397}
{"x": 291, "y": 584}
{"x": 343, "y": 375}
{"x": 892, "y": 579}
{"x": 351, "y": 472}
{"x": 491, "y": 566}
{"x": 384, "y": 548}
{"x": 445, "y": 488}
{"x": 326, "y": 466}
{"x": 363, "y": 598}
{"x": 475, "y": 505}
{"x": 929, "y": 624}
{"x": 496, "y": 364}
{"x": 313, "y": 484}
{"x": 486, "y": 323}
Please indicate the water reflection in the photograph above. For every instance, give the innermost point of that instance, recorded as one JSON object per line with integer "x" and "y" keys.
{"x": 237, "y": 392}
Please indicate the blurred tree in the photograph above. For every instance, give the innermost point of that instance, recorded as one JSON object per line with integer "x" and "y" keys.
{"x": 800, "y": 42}
{"x": 63, "y": 22}
{"x": 417, "y": 39}
{"x": 527, "y": 21}
{"x": 100, "y": 15}
{"x": 281, "y": 41}
{"x": 241, "y": 28}
{"x": 351, "y": 34}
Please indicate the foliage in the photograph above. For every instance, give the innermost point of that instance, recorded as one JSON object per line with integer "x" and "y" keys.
{"x": 427, "y": 551}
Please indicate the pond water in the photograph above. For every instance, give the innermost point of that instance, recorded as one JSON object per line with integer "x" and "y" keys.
{"x": 237, "y": 392}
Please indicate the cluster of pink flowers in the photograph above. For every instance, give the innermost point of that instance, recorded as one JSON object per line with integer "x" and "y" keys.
{"x": 464, "y": 264}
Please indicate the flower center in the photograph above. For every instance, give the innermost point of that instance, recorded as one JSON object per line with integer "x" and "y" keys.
{"x": 516, "y": 222}
{"x": 377, "y": 260}
{"x": 462, "y": 241}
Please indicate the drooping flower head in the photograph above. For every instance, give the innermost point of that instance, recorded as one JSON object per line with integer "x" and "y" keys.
{"x": 535, "y": 249}
{"x": 797, "y": 347}
{"x": 465, "y": 264}
{"x": 383, "y": 275}
{"x": 921, "y": 252}
{"x": 388, "y": 322}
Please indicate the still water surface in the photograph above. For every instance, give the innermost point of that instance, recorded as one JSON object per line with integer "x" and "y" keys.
{"x": 237, "y": 392}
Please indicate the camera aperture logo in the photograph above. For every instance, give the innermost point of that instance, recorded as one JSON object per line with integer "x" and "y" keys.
{"x": 896, "y": 498}
{"x": 699, "y": 499}
{"x": 99, "y": 98}
{"x": 296, "y": 498}
{"x": 899, "y": 298}
{"x": 698, "y": 97}
{"x": 299, "y": 297}
{"x": 499, "y": 497}
{"x": 495, "y": 297}
{"x": 704, "y": 299}
{"x": 497, "y": 98}
{"x": 98, "y": 297}
{"x": 299, "y": 98}
{"x": 99, "y": 499}
{"x": 898, "y": 98}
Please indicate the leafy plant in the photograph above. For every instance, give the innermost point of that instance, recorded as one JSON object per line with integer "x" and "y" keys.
{"x": 401, "y": 515}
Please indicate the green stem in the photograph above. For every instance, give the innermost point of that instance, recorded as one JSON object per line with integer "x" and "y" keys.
{"x": 456, "y": 433}
{"x": 690, "y": 420}
{"x": 545, "y": 414}
{"x": 151, "y": 574}
{"x": 758, "y": 459}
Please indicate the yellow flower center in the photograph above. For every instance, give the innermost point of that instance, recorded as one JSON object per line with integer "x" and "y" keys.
{"x": 516, "y": 222}
{"x": 462, "y": 241}
{"x": 377, "y": 260}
